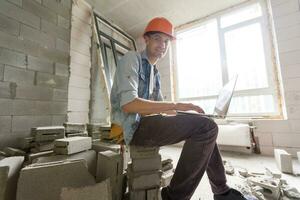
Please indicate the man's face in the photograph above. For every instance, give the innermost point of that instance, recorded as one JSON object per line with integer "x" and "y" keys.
{"x": 157, "y": 44}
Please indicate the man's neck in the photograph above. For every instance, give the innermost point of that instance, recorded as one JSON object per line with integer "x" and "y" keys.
{"x": 152, "y": 60}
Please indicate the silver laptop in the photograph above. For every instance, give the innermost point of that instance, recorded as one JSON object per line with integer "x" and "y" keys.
{"x": 222, "y": 103}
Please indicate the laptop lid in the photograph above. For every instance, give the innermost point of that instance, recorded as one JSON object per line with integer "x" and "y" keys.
{"x": 224, "y": 98}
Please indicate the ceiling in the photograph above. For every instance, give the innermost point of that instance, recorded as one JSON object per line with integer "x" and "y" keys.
{"x": 133, "y": 15}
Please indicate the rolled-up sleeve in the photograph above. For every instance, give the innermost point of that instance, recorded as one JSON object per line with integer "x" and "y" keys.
{"x": 128, "y": 78}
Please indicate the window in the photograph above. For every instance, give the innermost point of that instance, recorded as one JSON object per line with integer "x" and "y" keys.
{"x": 237, "y": 41}
{"x": 114, "y": 43}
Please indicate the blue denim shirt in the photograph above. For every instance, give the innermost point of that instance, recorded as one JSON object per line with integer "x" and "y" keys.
{"x": 132, "y": 79}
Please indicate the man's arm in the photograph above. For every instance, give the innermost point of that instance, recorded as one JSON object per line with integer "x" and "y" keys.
{"x": 146, "y": 107}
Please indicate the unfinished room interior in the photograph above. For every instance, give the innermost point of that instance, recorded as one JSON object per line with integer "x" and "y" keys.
{"x": 149, "y": 99}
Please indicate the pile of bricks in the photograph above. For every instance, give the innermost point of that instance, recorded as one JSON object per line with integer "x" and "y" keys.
{"x": 75, "y": 129}
{"x": 144, "y": 173}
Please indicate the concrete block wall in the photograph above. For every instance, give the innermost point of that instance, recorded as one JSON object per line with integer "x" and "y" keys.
{"x": 285, "y": 134}
{"x": 34, "y": 62}
{"x": 80, "y": 63}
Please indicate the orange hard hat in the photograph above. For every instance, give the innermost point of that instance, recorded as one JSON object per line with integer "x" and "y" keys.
{"x": 160, "y": 24}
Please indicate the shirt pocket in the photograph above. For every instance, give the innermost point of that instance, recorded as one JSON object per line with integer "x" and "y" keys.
{"x": 142, "y": 86}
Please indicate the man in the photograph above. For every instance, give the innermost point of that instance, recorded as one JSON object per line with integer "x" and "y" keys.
{"x": 136, "y": 96}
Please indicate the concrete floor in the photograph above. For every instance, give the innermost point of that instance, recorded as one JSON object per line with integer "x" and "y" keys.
{"x": 253, "y": 163}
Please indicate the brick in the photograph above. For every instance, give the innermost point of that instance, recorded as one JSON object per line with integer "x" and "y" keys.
{"x": 80, "y": 82}
{"x": 283, "y": 160}
{"x": 58, "y": 108}
{"x": 82, "y": 12}
{"x": 13, "y": 11}
{"x": 44, "y": 79}
{"x": 78, "y": 70}
{"x": 55, "y": 55}
{"x": 7, "y": 90}
{"x": 19, "y": 76}
{"x": 78, "y": 117}
{"x": 34, "y": 93}
{"x": 80, "y": 59}
{"x": 1, "y": 72}
{"x": 77, "y": 35}
{"x": 63, "y": 22}
{"x": 5, "y": 124}
{"x": 6, "y": 106}
{"x": 67, "y": 146}
{"x": 61, "y": 69}
{"x": 40, "y": 65}
{"x": 39, "y": 10}
{"x": 52, "y": 177}
{"x": 143, "y": 152}
{"x": 12, "y": 58}
{"x": 83, "y": 26}
{"x": 104, "y": 146}
{"x": 56, "y": 31}
{"x": 79, "y": 93}
{"x": 74, "y": 127}
{"x": 9, "y": 25}
{"x": 80, "y": 47}
{"x": 58, "y": 120}
{"x": 25, "y": 123}
{"x": 48, "y": 133}
{"x": 146, "y": 164}
{"x": 24, "y": 107}
{"x": 60, "y": 95}
{"x": 58, "y": 7}
{"x": 37, "y": 36}
{"x": 62, "y": 45}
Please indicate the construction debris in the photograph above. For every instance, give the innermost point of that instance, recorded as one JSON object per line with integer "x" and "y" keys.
{"x": 228, "y": 167}
{"x": 283, "y": 161}
{"x": 67, "y": 146}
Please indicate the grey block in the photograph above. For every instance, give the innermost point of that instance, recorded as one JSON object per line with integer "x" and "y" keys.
{"x": 55, "y": 55}
{"x": 14, "y": 164}
{"x": 137, "y": 195}
{"x": 60, "y": 95}
{"x": 34, "y": 93}
{"x": 48, "y": 133}
{"x": 9, "y": 25}
{"x": 61, "y": 69}
{"x": 100, "y": 146}
{"x": 40, "y": 65}
{"x": 42, "y": 146}
{"x": 6, "y": 105}
{"x": 74, "y": 127}
{"x": 7, "y": 90}
{"x": 58, "y": 7}
{"x": 24, "y": 107}
{"x": 44, "y": 107}
{"x": 99, "y": 191}
{"x": 58, "y": 108}
{"x": 63, "y": 22}
{"x": 72, "y": 145}
{"x": 44, "y": 79}
{"x": 143, "y": 180}
{"x": 35, "y": 156}
{"x": 110, "y": 165}
{"x": 153, "y": 194}
{"x": 37, "y": 36}
{"x": 56, "y": 31}
{"x": 62, "y": 45}
{"x": 89, "y": 156}
{"x": 9, "y": 151}
{"x": 49, "y": 178}
{"x": 19, "y": 76}
{"x": 283, "y": 161}
{"x": 39, "y": 10}
{"x": 143, "y": 152}
{"x": 3, "y": 180}
{"x": 13, "y": 11}
{"x": 5, "y": 123}
{"x": 146, "y": 164}
{"x": 12, "y": 58}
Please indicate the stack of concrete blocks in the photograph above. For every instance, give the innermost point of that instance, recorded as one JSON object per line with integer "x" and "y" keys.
{"x": 72, "y": 145}
{"x": 110, "y": 166}
{"x": 44, "y": 137}
{"x": 94, "y": 131}
{"x": 144, "y": 173}
{"x": 284, "y": 161}
{"x": 75, "y": 129}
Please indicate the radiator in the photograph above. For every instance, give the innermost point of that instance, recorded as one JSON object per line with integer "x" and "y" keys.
{"x": 235, "y": 137}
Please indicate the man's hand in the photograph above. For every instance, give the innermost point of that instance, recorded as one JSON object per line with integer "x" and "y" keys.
{"x": 188, "y": 106}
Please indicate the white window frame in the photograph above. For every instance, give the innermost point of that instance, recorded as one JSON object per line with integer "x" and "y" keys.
{"x": 268, "y": 40}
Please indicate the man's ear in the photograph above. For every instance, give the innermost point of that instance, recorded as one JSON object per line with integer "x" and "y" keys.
{"x": 146, "y": 38}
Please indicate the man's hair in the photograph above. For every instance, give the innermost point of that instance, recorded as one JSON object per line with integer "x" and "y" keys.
{"x": 151, "y": 33}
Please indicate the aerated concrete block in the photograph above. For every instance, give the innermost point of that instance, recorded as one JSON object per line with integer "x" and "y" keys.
{"x": 13, "y": 152}
{"x": 283, "y": 160}
{"x": 14, "y": 165}
{"x": 32, "y": 156}
{"x": 110, "y": 165}
{"x": 45, "y": 180}
{"x": 99, "y": 146}
{"x": 99, "y": 191}
{"x": 67, "y": 146}
{"x": 48, "y": 133}
{"x": 143, "y": 180}
{"x": 26, "y": 143}
{"x": 146, "y": 164}
{"x": 88, "y": 156}
{"x": 74, "y": 127}
{"x": 143, "y": 152}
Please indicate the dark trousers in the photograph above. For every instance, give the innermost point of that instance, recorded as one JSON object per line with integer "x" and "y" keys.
{"x": 200, "y": 152}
